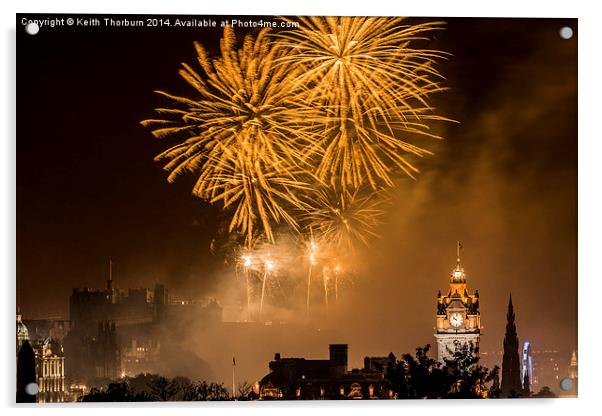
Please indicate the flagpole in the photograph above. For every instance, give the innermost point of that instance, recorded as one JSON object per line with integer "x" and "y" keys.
{"x": 233, "y": 368}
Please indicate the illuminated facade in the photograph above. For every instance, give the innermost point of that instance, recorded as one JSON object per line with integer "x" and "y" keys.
{"x": 139, "y": 355}
{"x": 458, "y": 318}
{"x": 526, "y": 373}
{"x": 50, "y": 370}
{"x": 573, "y": 366}
{"x": 47, "y": 365}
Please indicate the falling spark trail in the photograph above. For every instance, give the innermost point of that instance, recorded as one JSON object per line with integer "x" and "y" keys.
{"x": 312, "y": 260}
{"x": 247, "y": 262}
{"x": 326, "y": 278}
{"x": 248, "y": 294}
{"x": 265, "y": 276}
{"x": 308, "y": 285}
{"x": 268, "y": 265}
{"x": 336, "y": 286}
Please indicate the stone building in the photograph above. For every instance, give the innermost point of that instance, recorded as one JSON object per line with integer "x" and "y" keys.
{"x": 302, "y": 379}
{"x": 96, "y": 358}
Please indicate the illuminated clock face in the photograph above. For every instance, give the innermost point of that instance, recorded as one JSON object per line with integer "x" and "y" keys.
{"x": 456, "y": 319}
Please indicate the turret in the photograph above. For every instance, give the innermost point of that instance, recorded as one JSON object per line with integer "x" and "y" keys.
{"x": 338, "y": 360}
{"x": 22, "y": 332}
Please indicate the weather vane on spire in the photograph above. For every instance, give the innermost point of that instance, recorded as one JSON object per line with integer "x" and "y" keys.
{"x": 457, "y": 274}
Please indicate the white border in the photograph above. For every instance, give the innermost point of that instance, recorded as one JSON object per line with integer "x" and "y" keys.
{"x": 590, "y": 173}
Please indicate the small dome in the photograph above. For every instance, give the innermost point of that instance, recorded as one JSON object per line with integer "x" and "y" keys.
{"x": 22, "y": 332}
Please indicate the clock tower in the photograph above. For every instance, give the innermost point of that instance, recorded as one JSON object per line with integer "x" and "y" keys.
{"x": 458, "y": 316}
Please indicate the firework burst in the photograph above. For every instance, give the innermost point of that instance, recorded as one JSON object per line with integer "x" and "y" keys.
{"x": 306, "y": 129}
{"x": 372, "y": 88}
{"x": 241, "y": 134}
{"x": 341, "y": 219}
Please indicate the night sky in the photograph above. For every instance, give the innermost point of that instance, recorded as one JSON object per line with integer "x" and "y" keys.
{"x": 504, "y": 182}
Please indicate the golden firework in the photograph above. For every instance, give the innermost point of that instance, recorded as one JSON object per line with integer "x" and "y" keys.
{"x": 371, "y": 87}
{"x": 242, "y": 133}
{"x": 341, "y": 219}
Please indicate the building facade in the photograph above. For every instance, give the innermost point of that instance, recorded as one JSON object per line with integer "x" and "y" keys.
{"x": 50, "y": 371}
{"x": 458, "y": 322}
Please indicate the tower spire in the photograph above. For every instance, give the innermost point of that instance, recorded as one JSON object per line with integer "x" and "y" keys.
{"x": 511, "y": 384}
{"x": 458, "y": 275}
{"x": 458, "y": 248}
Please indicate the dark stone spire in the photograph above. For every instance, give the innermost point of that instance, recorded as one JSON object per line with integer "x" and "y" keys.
{"x": 511, "y": 383}
{"x": 26, "y": 373}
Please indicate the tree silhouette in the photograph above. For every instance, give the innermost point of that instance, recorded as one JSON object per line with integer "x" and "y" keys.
{"x": 159, "y": 389}
{"x": 469, "y": 379}
{"x": 544, "y": 393}
{"x": 422, "y": 377}
{"x": 211, "y": 392}
{"x": 245, "y": 392}
{"x": 152, "y": 387}
{"x": 114, "y": 392}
